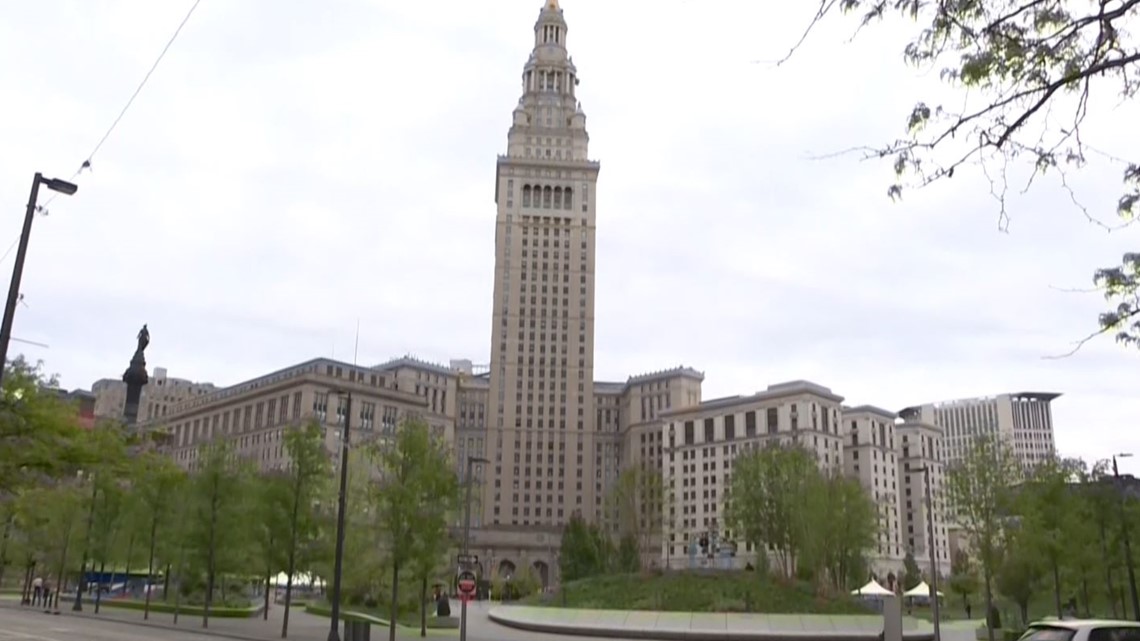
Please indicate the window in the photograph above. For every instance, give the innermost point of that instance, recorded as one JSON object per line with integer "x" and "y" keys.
{"x": 773, "y": 420}
{"x": 689, "y": 435}
{"x": 730, "y": 427}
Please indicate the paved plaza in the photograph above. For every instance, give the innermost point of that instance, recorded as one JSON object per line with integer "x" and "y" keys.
{"x": 485, "y": 623}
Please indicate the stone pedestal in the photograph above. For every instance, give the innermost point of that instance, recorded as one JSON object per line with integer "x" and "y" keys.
{"x": 135, "y": 377}
{"x": 892, "y": 619}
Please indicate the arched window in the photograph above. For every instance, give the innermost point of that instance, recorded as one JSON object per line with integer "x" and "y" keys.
{"x": 547, "y": 194}
{"x": 567, "y": 198}
{"x": 526, "y": 195}
{"x": 558, "y": 198}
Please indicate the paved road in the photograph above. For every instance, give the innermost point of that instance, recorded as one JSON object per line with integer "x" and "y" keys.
{"x": 19, "y": 625}
{"x": 119, "y": 625}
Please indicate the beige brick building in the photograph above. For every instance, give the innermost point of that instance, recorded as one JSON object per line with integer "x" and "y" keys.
{"x": 702, "y": 441}
{"x": 871, "y": 455}
{"x": 256, "y": 414}
{"x": 159, "y": 397}
{"x": 556, "y": 438}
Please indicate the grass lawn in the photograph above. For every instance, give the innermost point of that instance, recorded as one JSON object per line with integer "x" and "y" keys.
{"x": 679, "y": 591}
{"x": 1041, "y": 606}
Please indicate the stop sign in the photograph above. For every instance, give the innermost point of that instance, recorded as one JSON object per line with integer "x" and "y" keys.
{"x": 467, "y": 582}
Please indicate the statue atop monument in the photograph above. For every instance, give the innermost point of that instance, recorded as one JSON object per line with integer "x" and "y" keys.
{"x": 144, "y": 339}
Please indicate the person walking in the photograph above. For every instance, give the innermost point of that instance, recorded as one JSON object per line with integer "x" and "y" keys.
{"x": 37, "y": 591}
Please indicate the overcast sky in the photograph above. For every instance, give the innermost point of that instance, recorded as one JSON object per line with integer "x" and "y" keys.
{"x": 294, "y": 167}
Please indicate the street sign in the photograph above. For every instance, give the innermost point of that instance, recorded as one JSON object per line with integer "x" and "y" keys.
{"x": 466, "y": 559}
{"x": 466, "y": 583}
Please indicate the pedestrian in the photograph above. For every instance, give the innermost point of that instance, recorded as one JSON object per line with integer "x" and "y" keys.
{"x": 47, "y": 595}
{"x": 37, "y": 590}
{"x": 968, "y": 611}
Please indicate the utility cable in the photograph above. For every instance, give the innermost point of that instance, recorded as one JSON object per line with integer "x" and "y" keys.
{"x": 87, "y": 163}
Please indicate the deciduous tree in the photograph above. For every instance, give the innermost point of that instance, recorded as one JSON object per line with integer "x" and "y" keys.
{"x": 770, "y": 487}
{"x": 308, "y": 476}
{"x": 979, "y": 487}
{"x": 415, "y": 476}
{"x": 218, "y": 539}
{"x": 1029, "y": 73}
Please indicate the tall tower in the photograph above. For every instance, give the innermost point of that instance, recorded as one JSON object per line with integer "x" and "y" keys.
{"x": 541, "y": 422}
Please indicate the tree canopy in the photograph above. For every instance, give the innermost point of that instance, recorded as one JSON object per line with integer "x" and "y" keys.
{"x": 1029, "y": 74}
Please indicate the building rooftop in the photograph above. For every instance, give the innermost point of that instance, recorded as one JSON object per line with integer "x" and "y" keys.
{"x": 779, "y": 390}
{"x": 870, "y": 409}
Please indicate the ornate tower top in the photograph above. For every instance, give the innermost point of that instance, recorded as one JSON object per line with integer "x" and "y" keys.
{"x": 548, "y": 122}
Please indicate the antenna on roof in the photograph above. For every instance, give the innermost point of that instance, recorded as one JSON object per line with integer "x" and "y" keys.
{"x": 356, "y": 348}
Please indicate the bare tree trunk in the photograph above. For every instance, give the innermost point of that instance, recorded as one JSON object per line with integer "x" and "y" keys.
{"x": 4, "y": 546}
{"x": 1057, "y": 587}
{"x": 292, "y": 555}
{"x": 989, "y": 589}
{"x": 150, "y": 565}
{"x": 423, "y": 606}
{"x": 178, "y": 585}
{"x": 99, "y": 585}
{"x": 211, "y": 558}
{"x": 268, "y": 579}
{"x": 395, "y": 611}
{"x": 130, "y": 552}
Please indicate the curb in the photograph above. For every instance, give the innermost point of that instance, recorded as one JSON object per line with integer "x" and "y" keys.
{"x": 691, "y": 635}
{"x": 139, "y": 623}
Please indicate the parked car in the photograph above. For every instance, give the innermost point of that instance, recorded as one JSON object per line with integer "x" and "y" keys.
{"x": 1082, "y": 630}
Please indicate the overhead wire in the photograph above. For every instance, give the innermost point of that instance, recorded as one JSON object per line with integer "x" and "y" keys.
{"x": 86, "y": 164}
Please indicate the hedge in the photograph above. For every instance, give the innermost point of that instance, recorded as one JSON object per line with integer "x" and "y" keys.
{"x": 162, "y": 607}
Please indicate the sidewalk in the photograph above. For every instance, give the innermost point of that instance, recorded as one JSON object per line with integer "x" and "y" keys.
{"x": 667, "y": 626}
{"x": 302, "y": 625}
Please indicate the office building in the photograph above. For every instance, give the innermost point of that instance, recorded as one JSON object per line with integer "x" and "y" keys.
{"x": 159, "y": 396}
{"x": 1022, "y": 420}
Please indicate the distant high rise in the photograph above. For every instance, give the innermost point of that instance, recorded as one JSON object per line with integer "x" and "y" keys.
{"x": 1023, "y": 420}
{"x": 541, "y": 415}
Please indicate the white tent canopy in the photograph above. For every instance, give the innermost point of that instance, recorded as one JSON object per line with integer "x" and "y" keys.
{"x": 872, "y": 589}
{"x": 301, "y": 580}
{"x": 920, "y": 590}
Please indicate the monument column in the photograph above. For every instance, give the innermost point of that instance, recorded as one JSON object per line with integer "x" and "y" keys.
{"x": 135, "y": 377}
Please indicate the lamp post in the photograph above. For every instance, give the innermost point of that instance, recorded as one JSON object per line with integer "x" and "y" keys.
{"x": 54, "y": 184}
{"x": 334, "y": 627}
{"x": 1124, "y": 535}
{"x": 935, "y": 606}
{"x": 78, "y": 605}
{"x": 471, "y": 461}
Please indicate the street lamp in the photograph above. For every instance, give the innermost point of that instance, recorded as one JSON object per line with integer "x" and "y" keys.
{"x": 1124, "y": 534}
{"x": 54, "y": 184}
{"x": 934, "y": 604}
{"x": 334, "y": 628}
{"x": 471, "y": 461}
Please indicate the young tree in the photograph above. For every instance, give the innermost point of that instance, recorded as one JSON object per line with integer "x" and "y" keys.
{"x": 219, "y": 486}
{"x": 1018, "y": 573}
{"x": 843, "y": 526}
{"x": 308, "y": 475}
{"x": 1048, "y": 510}
{"x": 416, "y": 477}
{"x": 1028, "y": 72}
{"x": 270, "y": 493}
{"x": 979, "y": 496}
{"x": 637, "y": 503}
{"x": 628, "y": 559}
{"x": 963, "y": 577}
{"x": 912, "y": 574}
{"x": 770, "y": 486}
{"x": 158, "y": 481}
{"x": 40, "y": 439}
{"x": 586, "y": 550}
